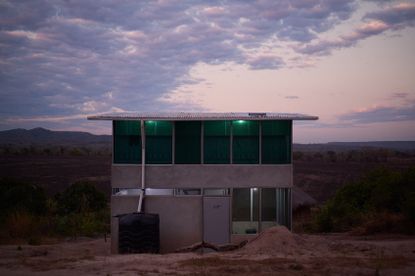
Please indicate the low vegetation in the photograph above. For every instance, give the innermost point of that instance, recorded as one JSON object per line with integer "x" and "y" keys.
{"x": 26, "y": 213}
{"x": 381, "y": 201}
{"x": 363, "y": 155}
{"x": 54, "y": 150}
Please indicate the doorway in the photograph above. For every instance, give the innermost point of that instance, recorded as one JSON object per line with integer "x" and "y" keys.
{"x": 216, "y": 219}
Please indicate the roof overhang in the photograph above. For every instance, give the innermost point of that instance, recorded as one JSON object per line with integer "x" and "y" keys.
{"x": 200, "y": 116}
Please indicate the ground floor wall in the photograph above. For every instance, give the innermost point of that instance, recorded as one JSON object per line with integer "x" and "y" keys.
{"x": 180, "y": 219}
{"x": 185, "y": 220}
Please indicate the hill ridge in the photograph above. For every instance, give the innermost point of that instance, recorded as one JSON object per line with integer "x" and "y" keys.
{"x": 43, "y": 136}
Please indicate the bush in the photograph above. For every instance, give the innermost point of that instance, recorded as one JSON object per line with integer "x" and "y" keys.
{"x": 82, "y": 210}
{"x": 85, "y": 224}
{"x": 26, "y": 212}
{"x": 79, "y": 198}
{"x": 382, "y": 195}
{"x": 16, "y": 196}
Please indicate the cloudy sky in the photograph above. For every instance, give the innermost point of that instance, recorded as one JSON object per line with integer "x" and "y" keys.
{"x": 352, "y": 63}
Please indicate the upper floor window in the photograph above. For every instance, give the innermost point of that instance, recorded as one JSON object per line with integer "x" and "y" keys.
{"x": 127, "y": 142}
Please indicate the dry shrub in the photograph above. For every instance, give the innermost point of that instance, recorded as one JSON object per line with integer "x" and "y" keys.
{"x": 23, "y": 225}
{"x": 384, "y": 222}
{"x": 20, "y": 224}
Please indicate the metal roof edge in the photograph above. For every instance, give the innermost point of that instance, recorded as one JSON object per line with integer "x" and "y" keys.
{"x": 205, "y": 116}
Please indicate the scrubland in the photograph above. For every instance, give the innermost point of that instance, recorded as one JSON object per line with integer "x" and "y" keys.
{"x": 54, "y": 220}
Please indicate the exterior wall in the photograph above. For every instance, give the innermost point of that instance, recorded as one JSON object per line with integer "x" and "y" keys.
{"x": 180, "y": 220}
{"x": 123, "y": 204}
{"x": 203, "y": 176}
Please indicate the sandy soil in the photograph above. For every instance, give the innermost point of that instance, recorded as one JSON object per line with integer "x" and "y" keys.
{"x": 276, "y": 251}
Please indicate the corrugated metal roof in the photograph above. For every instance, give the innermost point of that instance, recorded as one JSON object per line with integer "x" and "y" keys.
{"x": 203, "y": 116}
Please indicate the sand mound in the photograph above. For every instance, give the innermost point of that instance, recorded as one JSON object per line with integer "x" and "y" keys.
{"x": 273, "y": 241}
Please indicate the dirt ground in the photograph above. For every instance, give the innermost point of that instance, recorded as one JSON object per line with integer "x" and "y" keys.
{"x": 275, "y": 252}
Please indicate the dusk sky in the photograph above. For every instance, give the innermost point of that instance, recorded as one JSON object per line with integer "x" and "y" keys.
{"x": 352, "y": 63}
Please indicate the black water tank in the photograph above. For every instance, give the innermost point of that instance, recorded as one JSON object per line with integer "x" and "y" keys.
{"x": 138, "y": 233}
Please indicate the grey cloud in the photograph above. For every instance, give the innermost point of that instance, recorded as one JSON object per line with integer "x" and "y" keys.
{"x": 324, "y": 47}
{"x": 380, "y": 114}
{"x": 400, "y": 15}
{"x": 266, "y": 62}
{"x": 62, "y": 57}
{"x": 388, "y": 18}
{"x": 299, "y": 20}
{"x": 27, "y": 15}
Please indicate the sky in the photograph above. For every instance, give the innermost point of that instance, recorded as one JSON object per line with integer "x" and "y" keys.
{"x": 352, "y": 63}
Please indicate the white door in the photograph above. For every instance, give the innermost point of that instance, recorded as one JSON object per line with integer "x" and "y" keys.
{"x": 216, "y": 220}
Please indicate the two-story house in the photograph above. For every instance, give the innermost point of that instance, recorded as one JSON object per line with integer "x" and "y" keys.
{"x": 215, "y": 177}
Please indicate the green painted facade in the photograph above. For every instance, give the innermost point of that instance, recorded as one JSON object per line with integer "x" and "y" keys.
{"x": 208, "y": 142}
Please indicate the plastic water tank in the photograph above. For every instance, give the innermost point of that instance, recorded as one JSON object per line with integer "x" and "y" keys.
{"x": 138, "y": 233}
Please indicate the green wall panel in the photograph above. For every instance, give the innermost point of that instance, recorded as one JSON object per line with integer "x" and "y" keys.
{"x": 217, "y": 150}
{"x": 158, "y": 150}
{"x": 276, "y": 142}
{"x": 187, "y": 142}
{"x": 158, "y": 128}
{"x": 217, "y": 128}
{"x": 127, "y": 142}
{"x": 276, "y": 127}
{"x": 245, "y": 142}
{"x": 127, "y": 127}
{"x": 245, "y": 128}
{"x": 216, "y": 142}
{"x": 158, "y": 142}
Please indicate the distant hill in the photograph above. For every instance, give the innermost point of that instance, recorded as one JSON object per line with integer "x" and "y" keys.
{"x": 41, "y": 136}
{"x": 345, "y": 146}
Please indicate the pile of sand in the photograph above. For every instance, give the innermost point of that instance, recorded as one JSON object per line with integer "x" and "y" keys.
{"x": 273, "y": 241}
